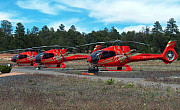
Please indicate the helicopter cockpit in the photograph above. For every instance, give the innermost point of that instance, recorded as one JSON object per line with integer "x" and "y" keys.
{"x": 14, "y": 58}
{"x": 37, "y": 58}
{"x": 100, "y": 54}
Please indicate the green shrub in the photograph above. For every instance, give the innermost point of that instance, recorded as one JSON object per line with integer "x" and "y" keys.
{"x": 110, "y": 81}
{"x": 5, "y": 69}
{"x": 130, "y": 85}
{"x": 29, "y": 80}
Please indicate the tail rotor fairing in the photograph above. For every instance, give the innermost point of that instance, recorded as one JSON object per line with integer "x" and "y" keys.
{"x": 170, "y": 55}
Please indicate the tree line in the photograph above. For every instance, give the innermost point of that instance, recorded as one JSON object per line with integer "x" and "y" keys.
{"x": 157, "y": 37}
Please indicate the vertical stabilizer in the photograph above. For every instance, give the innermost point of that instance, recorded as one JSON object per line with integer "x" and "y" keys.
{"x": 97, "y": 47}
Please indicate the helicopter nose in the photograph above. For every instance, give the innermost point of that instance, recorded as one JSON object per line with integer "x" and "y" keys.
{"x": 14, "y": 58}
{"x": 89, "y": 59}
{"x": 34, "y": 59}
{"x": 37, "y": 59}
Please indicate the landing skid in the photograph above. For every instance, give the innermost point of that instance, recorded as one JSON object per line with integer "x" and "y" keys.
{"x": 62, "y": 65}
{"x": 25, "y": 64}
{"x": 119, "y": 68}
{"x": 93, "y": 70}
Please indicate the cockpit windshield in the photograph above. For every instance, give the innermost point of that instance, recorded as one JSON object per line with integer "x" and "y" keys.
{"x": 14, "y": 58}
{"x": 95, "y": 56}
{"x": 101, "y": 54}
{"x": 38, "y": 57}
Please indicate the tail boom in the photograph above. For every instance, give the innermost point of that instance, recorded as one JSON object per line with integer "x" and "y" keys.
{"x": 168, "y": 56}
{"x": 76, "y": 57}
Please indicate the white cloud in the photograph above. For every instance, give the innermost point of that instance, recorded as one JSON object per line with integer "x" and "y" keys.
{"x": 10, "y": 16}
{"x": 137, "y": 28}
{"x": 44, "y": 6}
{"x": 82, "y": 29}
{"x": 13, "y": 17}
{"x": 68, "y": 24}
{"x": 40, "y": 5}
{"x": 143, "y": 12}
{"x": 6, "y": 16}
{"x": 111, "y": 11}
{"x": 138, "y": 11}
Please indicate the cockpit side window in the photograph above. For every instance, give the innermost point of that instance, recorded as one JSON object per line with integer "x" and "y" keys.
{"x": 22, "y": 56}
{"x": 48, "y": 55}
{"x": 107, "y": 54}
{"x": 112, "y": 53}
{"x": 104, "y": 55}
{"x": 39, "y": 56}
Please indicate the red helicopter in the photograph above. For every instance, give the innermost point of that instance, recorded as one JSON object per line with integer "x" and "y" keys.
{"x": 119, "y": 56}
{"x": 51, "y": 57}
{"x": 56, "y": 57}
{"x": 25, "y": 58}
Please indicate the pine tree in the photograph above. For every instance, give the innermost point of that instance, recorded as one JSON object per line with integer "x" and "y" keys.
{"x": 157, "y": 28}
{"x": 45, "y": 28}
{"x": 171, "y": 28}
{"x": 114, "y": 34}
{"x": 6, "y": 27}
{"x": 28, "y": 31}
{"x": 73, "y": 28}
{"x": 1, "y": 33}
{"x": 62, "y": 27}
{"x": 20, "y": 29}
{"x": 34, "y": 30}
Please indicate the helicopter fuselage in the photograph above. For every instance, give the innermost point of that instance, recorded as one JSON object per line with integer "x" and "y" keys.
{"x": 119, "y": 56}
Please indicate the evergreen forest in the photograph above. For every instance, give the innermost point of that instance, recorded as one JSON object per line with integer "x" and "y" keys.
{"x": 22, "y": 38}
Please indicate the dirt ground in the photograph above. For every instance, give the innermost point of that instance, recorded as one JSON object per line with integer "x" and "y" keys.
{"x": 11, "y": 74}
{"x": 154, "y": 70}
{"x": 20, "y": 90}
{"x": 52, "y": 92}
{"x": 6, "y": 55}
{"x": 5, "y": 58}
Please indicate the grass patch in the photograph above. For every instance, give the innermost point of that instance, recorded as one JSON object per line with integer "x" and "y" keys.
{"x": 167, "y": 80}
{"x": 39, "y": 91}
{"x": 110, "y": 81}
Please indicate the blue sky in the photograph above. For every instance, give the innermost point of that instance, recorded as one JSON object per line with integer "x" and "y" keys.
{"x": 88, "y": 15}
